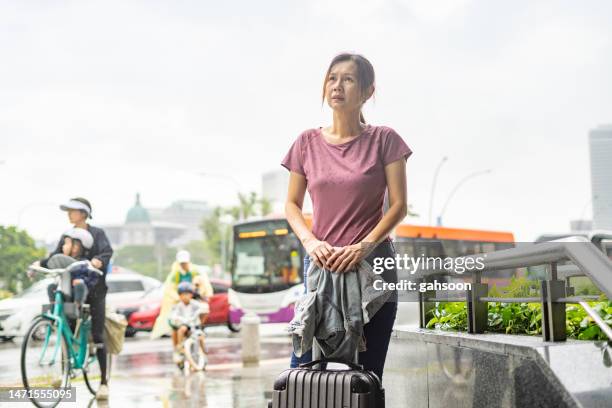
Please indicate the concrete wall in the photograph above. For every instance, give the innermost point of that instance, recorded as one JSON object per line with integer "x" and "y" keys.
{"x": 427, "y": 368}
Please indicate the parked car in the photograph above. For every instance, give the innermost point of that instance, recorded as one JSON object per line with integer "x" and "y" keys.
{"x": 14, "y": 309}
{"x": 17, "y": 312}
{"x": 141, "y": 315}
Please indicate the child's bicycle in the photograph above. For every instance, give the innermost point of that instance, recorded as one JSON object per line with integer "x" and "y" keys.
{"x": 193, "y": 357}
{"x": 51, "y": 351}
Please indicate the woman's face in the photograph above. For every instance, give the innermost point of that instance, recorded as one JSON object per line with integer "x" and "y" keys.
{"x": 342, "y": 89}
{"x": 76, "y": 216}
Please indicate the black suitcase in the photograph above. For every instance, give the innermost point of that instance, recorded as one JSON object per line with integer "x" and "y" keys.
{"x": 312, "y": 387}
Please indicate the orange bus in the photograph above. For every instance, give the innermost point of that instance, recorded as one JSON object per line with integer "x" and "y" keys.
{"x": 416, "y": 240}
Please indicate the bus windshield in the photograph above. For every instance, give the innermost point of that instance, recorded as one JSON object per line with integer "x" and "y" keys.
{"x": 266, "y": 263}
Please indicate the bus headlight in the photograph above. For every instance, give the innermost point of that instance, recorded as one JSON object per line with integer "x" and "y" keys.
{"x": 232, "y": 299}
{"x": 293, "y": 295}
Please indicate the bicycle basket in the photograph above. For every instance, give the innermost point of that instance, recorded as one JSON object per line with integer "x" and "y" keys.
{"x": 114, "y": 330}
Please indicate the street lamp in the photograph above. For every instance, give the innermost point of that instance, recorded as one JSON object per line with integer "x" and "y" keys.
{"x": 433, "y": 186}
{"x": 454, "y": 190}
{"x": 225, "y": 219}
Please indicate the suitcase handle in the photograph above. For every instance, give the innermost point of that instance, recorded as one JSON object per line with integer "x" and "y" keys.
{"x": 332, "y": 360}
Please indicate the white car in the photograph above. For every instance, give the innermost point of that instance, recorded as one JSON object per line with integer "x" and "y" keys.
{"x": 17, "y": 313}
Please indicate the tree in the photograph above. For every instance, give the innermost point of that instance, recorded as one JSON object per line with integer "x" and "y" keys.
{"x": 198, "y": 252}
{"x": 17, "y": 252}
{"x": 212, "y": 229}
{"x": 251, "y": 205}
{"x": 146, "y": 259}
{"x": 216, "y": 232}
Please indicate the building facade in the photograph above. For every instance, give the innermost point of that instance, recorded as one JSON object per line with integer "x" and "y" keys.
{"x": 173, "y": 226}
{"x": 600, "y": 147}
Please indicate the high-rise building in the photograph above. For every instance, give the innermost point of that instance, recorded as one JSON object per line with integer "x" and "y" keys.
{"x": 600, "y": 146}
{"x": 274, "y": 185}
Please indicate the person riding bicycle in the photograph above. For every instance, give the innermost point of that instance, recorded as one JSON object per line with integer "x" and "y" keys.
{"x": 79, "y": 211}
{"x": 182, "y": 271}
{"x": 76, "y": 242}
{"x": 186, "y": 313}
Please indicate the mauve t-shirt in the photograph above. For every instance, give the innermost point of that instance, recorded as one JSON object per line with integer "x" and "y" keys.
{"x": 346, "y": 181}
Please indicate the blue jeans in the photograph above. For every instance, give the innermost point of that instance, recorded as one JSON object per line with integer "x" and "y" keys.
{"x": 377, "y": 332}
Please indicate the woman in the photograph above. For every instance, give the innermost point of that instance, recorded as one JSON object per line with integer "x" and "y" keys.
{"x": 346, "y": 168}
{"x": 79, "y": 211}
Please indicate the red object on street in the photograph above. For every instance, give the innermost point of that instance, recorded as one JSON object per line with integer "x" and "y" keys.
{"x": 141, "y": 315}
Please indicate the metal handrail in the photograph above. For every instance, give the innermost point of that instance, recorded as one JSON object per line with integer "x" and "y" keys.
{"x": 597, "y": 319}
{"x": 588, "y": 260}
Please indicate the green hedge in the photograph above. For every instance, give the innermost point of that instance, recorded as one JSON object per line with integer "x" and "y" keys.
{"x": 522, "y": 318}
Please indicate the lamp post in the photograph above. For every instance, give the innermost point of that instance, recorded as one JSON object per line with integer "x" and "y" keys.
{"x": 582, "y": 225}
{"x": 454, "y": 190}
{"x": 433, "y": 187}
{"x": 225, "y": 219}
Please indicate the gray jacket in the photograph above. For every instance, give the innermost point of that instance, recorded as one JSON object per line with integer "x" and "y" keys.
{"x": 335, "y": 309}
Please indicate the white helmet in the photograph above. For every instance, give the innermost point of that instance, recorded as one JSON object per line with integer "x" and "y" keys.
{"x": 82, "y": 235}
{"x": 183, "y": 256}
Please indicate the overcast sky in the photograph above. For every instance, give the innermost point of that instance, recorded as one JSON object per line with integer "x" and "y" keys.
{"x": 106, "y": 99}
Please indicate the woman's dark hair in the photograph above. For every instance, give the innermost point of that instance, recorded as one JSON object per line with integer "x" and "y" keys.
{"x": 365, "y": 73}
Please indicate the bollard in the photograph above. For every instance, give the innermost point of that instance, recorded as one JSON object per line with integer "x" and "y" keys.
{"x": 250, "y": 338}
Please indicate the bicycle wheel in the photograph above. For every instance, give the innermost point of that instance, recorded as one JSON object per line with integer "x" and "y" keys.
{"x": 194, "y": 354}
{"x": 45, "y": 361}
{"x": 92, "y": 373}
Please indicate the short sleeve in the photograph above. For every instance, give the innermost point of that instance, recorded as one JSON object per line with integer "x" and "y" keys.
{"x": 293, "y": 161}
{"x": 393, "y": 147}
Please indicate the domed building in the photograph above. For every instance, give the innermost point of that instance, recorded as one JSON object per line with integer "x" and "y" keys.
{"x": 140, "y": 229}
{"x": 137, "y": 214}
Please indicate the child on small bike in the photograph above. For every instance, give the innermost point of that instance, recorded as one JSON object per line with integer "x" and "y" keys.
{"x": 77, "y": 241}
{"x": 185, "y": 314}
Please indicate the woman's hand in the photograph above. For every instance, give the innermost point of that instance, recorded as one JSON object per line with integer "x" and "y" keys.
{"x": 30, "y": 273}
{"x": 96, "y": 263}
{"x": 319, "y": 251}
{"x": 346, "y": 258}
{"x": 67, "y": 247}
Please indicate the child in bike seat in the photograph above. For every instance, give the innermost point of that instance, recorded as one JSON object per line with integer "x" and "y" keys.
{"x": 77, "y": 241}
{"x": 185, "y": 313}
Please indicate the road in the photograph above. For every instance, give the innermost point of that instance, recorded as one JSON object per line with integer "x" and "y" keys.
{"x": 143, "y": 374}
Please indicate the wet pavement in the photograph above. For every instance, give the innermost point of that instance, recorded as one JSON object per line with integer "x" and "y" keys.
{"x": 143, "y": 375}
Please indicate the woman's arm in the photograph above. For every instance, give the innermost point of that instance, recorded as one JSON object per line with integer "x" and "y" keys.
{"x": 347, "y": 257}
{"x": 398, "y": 204}
{"x": 102, "y": 252}
{"x": 319, "y": 251}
